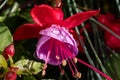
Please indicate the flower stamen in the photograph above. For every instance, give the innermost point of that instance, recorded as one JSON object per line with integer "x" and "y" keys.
{"x": 64, "y": 62}
{"x": 75, "y": 60}
{"x": 43, "y": 72}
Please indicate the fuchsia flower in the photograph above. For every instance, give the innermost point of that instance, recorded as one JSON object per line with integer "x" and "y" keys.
{"x": 56, "y": 45}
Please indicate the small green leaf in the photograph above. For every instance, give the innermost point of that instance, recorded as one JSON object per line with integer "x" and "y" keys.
{"x": 3, "y": 62}
{"x": 2, "y": 18}
{"x": 113, "y": 66}
{"x": 5, "y": 36}
{"x": 29, "y": 78}
{"x": 28, "y": 67}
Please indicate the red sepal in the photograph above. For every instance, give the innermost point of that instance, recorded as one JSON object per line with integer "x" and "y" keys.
{"x": 44, "y": 15}
{"x": 27, "y": 31}
{"x": 77, "y": 19}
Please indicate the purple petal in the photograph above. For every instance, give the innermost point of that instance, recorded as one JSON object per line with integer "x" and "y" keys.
{"x": 59, "y": 33}
{"x": 56, "y": 42}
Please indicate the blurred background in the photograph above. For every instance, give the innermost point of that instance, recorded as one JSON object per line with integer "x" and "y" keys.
{"x": 100, "y": 35}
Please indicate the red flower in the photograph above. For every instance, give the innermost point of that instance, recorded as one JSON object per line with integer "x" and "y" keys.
{"x": 44, "y": 16}
{"x": 56, "y": 45}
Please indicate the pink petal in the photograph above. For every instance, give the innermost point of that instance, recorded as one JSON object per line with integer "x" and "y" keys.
{"x": 77, "y": 19}
{"x": 45, "y": 15}
{"x": 59, "y": 33}
{"x": 27, "y": 31}
{"x": 58, "y": 49}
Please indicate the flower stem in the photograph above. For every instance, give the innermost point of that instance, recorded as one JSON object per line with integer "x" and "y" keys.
{"x": 95, "y": 69}
{"x": 106, "y": 28}
{"x": 3, "y": 4}
{"x": 84, "y": 47}
{"x": 118, "y": 4}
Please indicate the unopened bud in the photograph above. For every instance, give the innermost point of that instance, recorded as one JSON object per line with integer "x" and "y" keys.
{"x": 11, "y": 75}
{"x": 9, "y": 50}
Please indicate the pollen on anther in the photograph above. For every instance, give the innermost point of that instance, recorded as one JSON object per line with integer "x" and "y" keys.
{"x": 43, "y": 72}
{"x": 62, "y": 72}
{"x": 75, "y": 60}
{"x": 64, "y": 62}
{"x": 57, "y": 57}
{"x": 78, "y": 75}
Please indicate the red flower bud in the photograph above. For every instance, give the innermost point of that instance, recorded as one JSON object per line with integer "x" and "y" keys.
{"x": 111, "y": 40}
{"x": 9, "y": 50}
{"x": 11, "y": 75}
{"x": 88, "y": 28}
{"x": 104, "y": 20}
{"x": 111, "y": 17}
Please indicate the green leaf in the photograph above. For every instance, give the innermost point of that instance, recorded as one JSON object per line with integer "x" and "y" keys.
{"x": 28, "y": 67}
{"x": 5, "y": 36}
{"x": 113, "y": 66}
{"x": 3, "y": 62}
{"x": 29, "y": 78}
{"x": 25, "y": 14}
{"x": 2, "y": 18}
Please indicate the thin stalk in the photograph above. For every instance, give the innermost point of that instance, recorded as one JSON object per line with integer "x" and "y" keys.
{"x": 91, "y": 45}
{"x": 100, "y": 24}
{"x": 94, "y": 51}
{"x": 91, "y": 4}
{"x": 92, "y": 75}
{"x": 67, "y": 78}
{"x": 118, "y": 4}
{"x": 85, "y": 4}
{"x": 85, "y": 49}
{"x": 3, "y": 4}
{"x": 106, "y": 28}
{"x": 94, "y": 69}
{"x": 95, "y": 34}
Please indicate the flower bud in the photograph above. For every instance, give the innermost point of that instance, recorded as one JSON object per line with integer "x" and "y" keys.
{"x": 9, "y": 50}
{"x": 111, "y": 40}
{"x": 11, "y": 75}
{"x": 104, "y": 20}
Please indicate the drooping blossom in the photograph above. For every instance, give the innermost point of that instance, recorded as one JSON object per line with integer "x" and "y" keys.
{"x": 56, "y": 45}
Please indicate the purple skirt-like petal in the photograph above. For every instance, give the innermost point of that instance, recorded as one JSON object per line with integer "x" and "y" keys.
{"x": 55, "y": 45}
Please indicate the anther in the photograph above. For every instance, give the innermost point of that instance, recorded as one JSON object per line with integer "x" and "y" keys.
{"x": 57, "y": 57}
{"x": 64, "y": 62}
{"x": 43, "y": 72}
{"x": 75, "y": 60}
{"x": 62, "y": 72}
{"x": 77, "y": 75}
